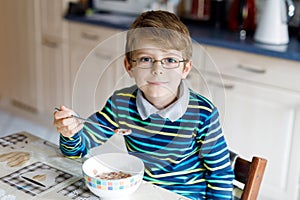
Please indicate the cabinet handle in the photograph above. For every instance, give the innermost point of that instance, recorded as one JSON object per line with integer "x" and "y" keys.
{"x": 51, "y": 44}
{"x": 103, "y": 56}
{"x": 252, "y": 69}
{"x": 89, "y": 36}
{"x": 226, "y": 86}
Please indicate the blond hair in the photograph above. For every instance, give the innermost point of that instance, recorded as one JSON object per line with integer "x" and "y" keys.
{"x": 161, "y": 27}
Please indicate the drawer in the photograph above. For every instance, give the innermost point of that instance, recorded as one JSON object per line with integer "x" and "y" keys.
{"x": 252, "y": 67}
{"x": 90, "y": 35}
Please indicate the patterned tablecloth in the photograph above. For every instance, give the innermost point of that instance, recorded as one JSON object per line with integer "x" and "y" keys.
{"x": 47, "y": 174}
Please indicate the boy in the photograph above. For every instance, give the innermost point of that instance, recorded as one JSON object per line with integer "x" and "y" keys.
{"x": 175, "y": 131}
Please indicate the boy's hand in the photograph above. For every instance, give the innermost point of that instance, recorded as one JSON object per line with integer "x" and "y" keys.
{"x": 65, "y": 123}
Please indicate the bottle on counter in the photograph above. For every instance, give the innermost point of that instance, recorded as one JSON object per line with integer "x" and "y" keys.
{"x": 218, "y": 13}
{"x": 242, "y": 15}
{"x": 299, "y": 32}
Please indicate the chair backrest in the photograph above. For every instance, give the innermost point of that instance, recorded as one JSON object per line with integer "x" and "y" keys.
{"x": 249, "y": 173}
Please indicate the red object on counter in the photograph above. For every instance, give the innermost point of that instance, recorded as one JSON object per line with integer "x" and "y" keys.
{"x": 200, "y": 9}
{"x": 242, "y": 15}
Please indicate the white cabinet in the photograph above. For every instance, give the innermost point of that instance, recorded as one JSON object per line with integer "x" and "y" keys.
{"x": 54, "y": 65}
{"x": 3, "y": 56}
{"x": 34, "y": 57}
{"x": 51, "y": 14}
{"x": 253, "y": 67}
{"x": 19, "y": 52}
{"x": 96, "y": 62}
{"x": 55, "y": 74}
{"x": 260, "y": 114}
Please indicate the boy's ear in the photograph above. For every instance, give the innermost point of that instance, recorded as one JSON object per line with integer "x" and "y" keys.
{"x": 127, "y": 66}
{"x": 187, "y": 68}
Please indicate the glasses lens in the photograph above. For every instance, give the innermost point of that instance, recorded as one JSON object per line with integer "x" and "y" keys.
{"x": 144, "y": 62}
{"x": 170, "y": 62}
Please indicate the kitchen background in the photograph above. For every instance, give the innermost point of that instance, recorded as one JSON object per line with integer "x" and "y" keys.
{"x": 255, "y": 85}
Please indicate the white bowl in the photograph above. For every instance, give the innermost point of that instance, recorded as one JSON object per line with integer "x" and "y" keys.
{"x": 113, "y": 162}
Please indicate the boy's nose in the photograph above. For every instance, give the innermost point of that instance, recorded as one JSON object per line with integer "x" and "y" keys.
{"x": 157, "y": 68}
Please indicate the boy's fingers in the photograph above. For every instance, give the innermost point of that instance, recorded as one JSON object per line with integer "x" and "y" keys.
{"x": 64, "y": 108}
{"x": 68, "y": 127}
{"x": 65, "y": 123}
{"x": 62, "y": 114}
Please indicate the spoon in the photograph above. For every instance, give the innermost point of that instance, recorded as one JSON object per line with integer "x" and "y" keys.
{"x": 83, "y": 120}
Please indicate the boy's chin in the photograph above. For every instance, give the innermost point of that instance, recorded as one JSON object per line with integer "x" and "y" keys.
{"x": 158, "y": 93}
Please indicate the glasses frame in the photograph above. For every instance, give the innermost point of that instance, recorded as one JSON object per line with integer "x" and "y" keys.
{"x": 161, "y": 62}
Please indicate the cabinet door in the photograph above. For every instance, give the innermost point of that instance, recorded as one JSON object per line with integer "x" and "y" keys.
{"x": 52, "y": 17}
{"x": 260, "y": 120}
{"x": 55, "y": 60}
{"x": 55, "y": 74}
{"x": 95, "y": 63}
{"x": 20, "y": 53}
{"x": 95, "y": 80}
{"x": 86, "y": 79}
{"x": 4, "y": 60}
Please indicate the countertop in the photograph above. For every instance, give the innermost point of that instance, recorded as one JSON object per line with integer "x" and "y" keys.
{"x": 204, "y": 34}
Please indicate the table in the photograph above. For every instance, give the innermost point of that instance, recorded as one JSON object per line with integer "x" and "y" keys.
{"x": 47, "y": 174}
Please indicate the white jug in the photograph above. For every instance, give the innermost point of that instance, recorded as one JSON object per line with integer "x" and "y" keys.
{"x": 272, "y": 28}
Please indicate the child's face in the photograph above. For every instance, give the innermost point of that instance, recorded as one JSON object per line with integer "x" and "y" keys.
{"x": 157, "y": 82}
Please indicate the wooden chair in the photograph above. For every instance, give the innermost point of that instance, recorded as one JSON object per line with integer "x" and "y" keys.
{"x": 248, "y": 176}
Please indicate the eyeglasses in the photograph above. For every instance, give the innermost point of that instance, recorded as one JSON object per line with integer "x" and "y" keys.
{"x": 167, "y": 63}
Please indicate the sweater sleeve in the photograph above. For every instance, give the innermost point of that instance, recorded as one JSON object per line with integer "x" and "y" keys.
{"x": 91, "y": 135}
{"x": 214, "y": 152}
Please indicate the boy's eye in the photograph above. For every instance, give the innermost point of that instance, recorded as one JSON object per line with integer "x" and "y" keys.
{"x": 145, "y": 59}
{"x": 171, "y": 60}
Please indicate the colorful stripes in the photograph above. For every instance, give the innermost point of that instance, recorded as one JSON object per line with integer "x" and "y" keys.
{"x": 188, "y": 156}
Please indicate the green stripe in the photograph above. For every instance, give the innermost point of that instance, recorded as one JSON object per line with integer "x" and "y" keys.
{"x": 110, "y": 112}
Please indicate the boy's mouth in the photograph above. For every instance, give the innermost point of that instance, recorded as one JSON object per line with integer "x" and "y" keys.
{"x": 157, "y": 82}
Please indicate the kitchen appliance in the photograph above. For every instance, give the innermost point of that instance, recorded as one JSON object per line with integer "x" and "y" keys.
{"x": 272, "y": 27}
{"x": 134, "y": 7}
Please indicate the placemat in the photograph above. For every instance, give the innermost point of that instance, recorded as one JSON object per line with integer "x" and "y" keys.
{"x": 15, "y": 180}
{"x": 13, "y": 139}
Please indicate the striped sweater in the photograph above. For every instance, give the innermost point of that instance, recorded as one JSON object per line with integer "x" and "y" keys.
{"x": 188, "y": 156}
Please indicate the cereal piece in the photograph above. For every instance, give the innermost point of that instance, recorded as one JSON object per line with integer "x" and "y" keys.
{"x": 95, "y": 172}
{"x": 113, "y": 175}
